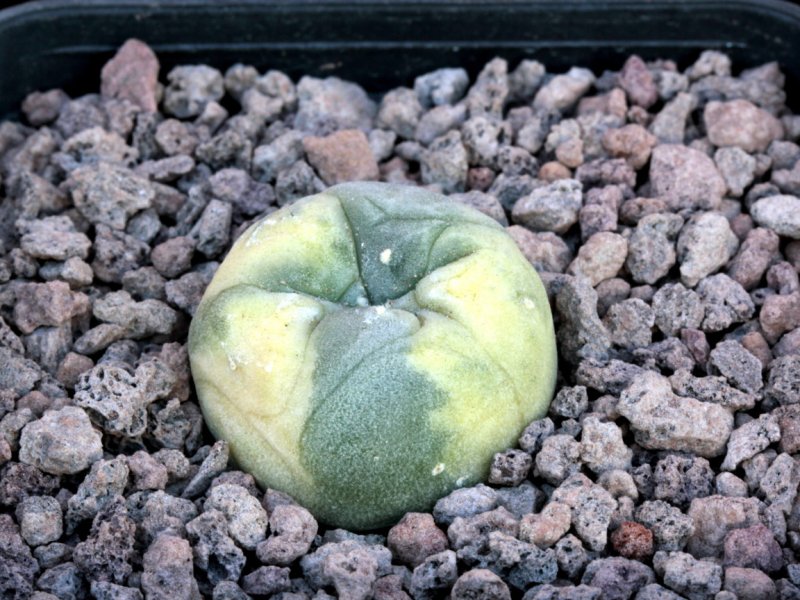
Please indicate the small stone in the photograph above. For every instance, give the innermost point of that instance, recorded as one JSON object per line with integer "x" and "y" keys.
{"x": 40, "y": 520}
{"x": 132, "y": 75}
{"x": 49, "y": 304}
{"x": 749, "y": 584}
{"x": 443, "y": 86}
{"x": 750, "y": 439}
{"x": 779, "y": 483}
{"x": 330, "y": 104}
{"x": 108, "y": 194}
{"x": 444, "y": 162}
{"x": 550, "y": 208}
{"x": 600, "y": 257}
{"x": 106, "y": 553}
{"x": 714, "y": 517}
{"x": 438, "y": 121}
{"x": 215, "y": 552}
{"x": 618, "y": 578}
{"x": 547, "y": 527}
{"x": 489, "y": 93}
{"x": 342, "y": 156}
{"x": 736, "y": 167}
{"x": 582, "y": 334}
{"x": 464, "y": 531}
{"x": 685, "y": 177}
{"x": 631, "y": 142}
{"x": 630, "y": 323}
{"x": 778, "y": 315}
{"x": 661, "y": 420}
{"x": 190, "y": 89}
{"x": 147, "y": 472}
{"x": 106, "y": 480}
{"x": 619, "y": 483}
{"x": 213, "y": 464}
{"x": 62, "y": 581}
{"x": 742, "y": 124}
{"x": 544, "y": 250}
{"x": 680, "y": 479}
{"x": 293, "y": 531}
{"x": 778, "y": 214}
{"x": 651, "y": 248}
{"x": 399, "y": 111}
{"x": 415, "y": 538}
{"x": 754, "y": 548}
{"x": 480, "y": 583}
{"x": 510, "y": 467}
{"x": 247, "y": 520}
{"x": 705, "y": 244}
{"x": 592, "y": 509}
{"x": 738, "y": 366}
{"x": 753, "y": 257}
{"x": 266, "y": 581}
{"x": 61, "y": 442}
{"x": 726, "y": 302}
{"x": 783, "y": 385}
{"x": 558, "y": 458}
{"x": 105, "y": 590}
{"x": 563, "y": 91}
{"x": 53, "y": 238}
{"x": 437, "y": 574}
{"x": 173, "y": 257}
{"x": 570, "y": 402}
{"x": 632, "y": 540}
{"x": 602, "y": 447}
{"x": 671, "y": 528}
{"x": 168, "y": 569}
{"x": 693, "y": 579}
{"x": 116, "y": 253}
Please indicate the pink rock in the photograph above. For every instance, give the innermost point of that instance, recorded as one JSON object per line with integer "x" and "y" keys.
{"x": 132, "y": 75}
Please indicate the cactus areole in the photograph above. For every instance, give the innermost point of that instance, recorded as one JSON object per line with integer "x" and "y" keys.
{"x": 368, "y": 349}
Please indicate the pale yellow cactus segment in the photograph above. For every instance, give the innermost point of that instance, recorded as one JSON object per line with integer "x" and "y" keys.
{"x": 503, "y": 307}
{"x": 257, "y": 388}
{"x": 317, "y": 225}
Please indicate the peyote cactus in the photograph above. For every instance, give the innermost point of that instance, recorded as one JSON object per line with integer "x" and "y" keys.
{"x": 368, "y": 349}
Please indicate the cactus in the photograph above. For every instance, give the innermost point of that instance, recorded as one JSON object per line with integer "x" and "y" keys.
{"x": 368, "y": 349}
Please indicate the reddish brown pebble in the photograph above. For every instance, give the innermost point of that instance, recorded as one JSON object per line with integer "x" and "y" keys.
{"x": 756, "y": 345}
{"x": 695, "y": 340}
{"x": 132, "y": 75}
{"x": 553, "y": 171}
{"x": 342, "y": 156}
{"x": 415, "y": 538}
{"x": 632, "y": 142}
{"x": 632, "y": 540}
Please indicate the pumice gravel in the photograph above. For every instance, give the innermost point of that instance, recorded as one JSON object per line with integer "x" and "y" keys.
{"x": 659, "y": 206}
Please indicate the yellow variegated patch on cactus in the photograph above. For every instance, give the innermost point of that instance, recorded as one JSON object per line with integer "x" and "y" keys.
{"x": 368, "y": 349}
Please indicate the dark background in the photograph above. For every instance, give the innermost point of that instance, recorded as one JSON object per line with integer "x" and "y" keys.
{"x": 382, "y": 44}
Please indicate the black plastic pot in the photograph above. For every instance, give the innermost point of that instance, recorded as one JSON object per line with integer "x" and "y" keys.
{"x": 381, "y": 44}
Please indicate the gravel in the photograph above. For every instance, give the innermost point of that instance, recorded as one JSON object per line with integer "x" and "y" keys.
{"x": 660, "y": 208}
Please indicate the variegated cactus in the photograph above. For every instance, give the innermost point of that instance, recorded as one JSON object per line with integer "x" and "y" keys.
{"x": 368, "y": 349}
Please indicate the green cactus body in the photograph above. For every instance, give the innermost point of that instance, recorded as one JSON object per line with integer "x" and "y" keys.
{"x": 368, "y": 349}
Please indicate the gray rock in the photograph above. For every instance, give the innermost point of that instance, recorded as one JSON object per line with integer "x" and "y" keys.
{"x": 617, "y": 577}
{"x": 53, "y": 238}
{"x": 749, "y": 584}
{"x": 436, "y": 575}
{"x": 116, "y": 253}
{"x": 680, "y": 479}
{"x": 783, "y": 384}
{"x": 480, "y": 583}
{"x": 268, "y": 581}
{"x": 490, "y": 91}
{"x": 464, "y": 531}
{"x": 629, "y": 323}
{"x": 63, "y": 581}
{"x": 669, "y": 125}
{"x": 742, "y": 124}
{"x": 651, "y": 249}
{"x": 438, "y": 121}
{"x": 168, "y": 570}
{"x": 247, "y": 519}
{"x": 661, "y": 420}
{"x": 592, "y": 508}
{"x": 705, "y": 244}
{"x": 464, "y": 502}
{"x": 105, "y": 590}
{"x": 741, "y": 368}
{"x": 563, "y": 91}
{"x": 191, "y": 88}
{"x": 280, "y": 154}
{"x": 293, "y": 529}
{"x": 444, "y": 162}
{"x": 750, "y": 439}
{"x": 602, "y": 447}
{"x": 109, "y": 195}
{"x": 553, "y": 207}
{"x": 654, "y": 591}
{"x": 214, "y": 551}
{"x": 737, "y": 169}
{"x": 546, "y": 251}
{"x": 400, "y": 111}
{"x": 558, "y": 458}
{"x": 40, "y": 520}
{"x": 671, "y": 528}
{"x": 107, "y": 552}
{"x": 582, "y": 334}
{"x": 105, "y": 481}
{"x": 726, "y": 302}
{"x": 330, "y": 104}
{"x": 212, "y": 465}
{"x": 780, "y": 214}
{"x": 61, "y": 442}
{"x": 443, "y": 86}
{"x": 693, "y": 579}
{"x": 570, "y": 402}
